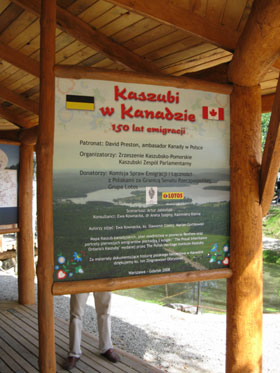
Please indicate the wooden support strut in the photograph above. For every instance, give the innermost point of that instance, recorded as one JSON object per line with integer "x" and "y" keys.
{"x": 244, "y": 292}
{"x": 19, "y": 100}
{"x": 271, "y": 155}
{"x": 8, "y": 136}
{"x": 20, "y": 60}
{"x": 15, "y": 118}
{"x": 26, "y": 272}
{"x": 47, "y": 358}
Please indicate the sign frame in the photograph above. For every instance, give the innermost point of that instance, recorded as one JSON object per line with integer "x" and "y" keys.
{"x": 74, "y": 72}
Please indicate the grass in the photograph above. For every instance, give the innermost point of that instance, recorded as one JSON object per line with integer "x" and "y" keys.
{"x": 271, "y": 287}
{"x": 271, "y": 256}
{"x": 271, "y": 223}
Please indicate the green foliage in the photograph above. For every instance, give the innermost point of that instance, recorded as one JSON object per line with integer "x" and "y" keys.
{"x": 271, "y": 278}
{"x": 265, "y": 123}
{"x": 271, "y": 256}
{"x": 271, "y": 223}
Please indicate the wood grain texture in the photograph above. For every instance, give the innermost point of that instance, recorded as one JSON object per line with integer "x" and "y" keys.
{"x": 79, "y": 72}
{"x": 60, "y": 288}
{"x": 267, "y": 103}
{"x": 9, "y": 230}
{"x": 19, "y": 59}
{"x": 92, "y": 38}
{"x": 19, "y": 100}
{"x": 14, "y": 118}
{"x": 10, "y": 136}
{"x": 245, "y": 287}
{"x": 271, "y": 155}
{"x": 258, "y": 47}
{"x": 47, "y": 362}
{"x": 26, "y": 271}
{"x": 185, "y": 20}
{"x": 19, "y": 346}
{"x": 29, "y": 136}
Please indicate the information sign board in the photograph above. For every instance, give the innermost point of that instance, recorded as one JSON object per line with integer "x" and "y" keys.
{"x": 9, "y": 166}
{"x": 141, "y": 179}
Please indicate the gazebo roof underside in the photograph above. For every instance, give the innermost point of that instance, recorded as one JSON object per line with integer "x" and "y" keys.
{"x": 181, "y": 38}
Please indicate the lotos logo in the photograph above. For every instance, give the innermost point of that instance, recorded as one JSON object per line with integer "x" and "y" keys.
{"x": 171, "y": 195}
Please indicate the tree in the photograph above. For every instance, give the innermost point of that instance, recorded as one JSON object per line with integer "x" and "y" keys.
{"x": 265, "y": 123}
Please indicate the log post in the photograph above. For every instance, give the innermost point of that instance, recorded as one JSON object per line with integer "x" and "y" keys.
{"x": 245, "y": 299}
{"x": 26, "y": 287}
{"x": 47, "y": 359}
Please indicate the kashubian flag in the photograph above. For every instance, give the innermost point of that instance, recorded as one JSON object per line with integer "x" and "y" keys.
{"x": 79, "y": 102}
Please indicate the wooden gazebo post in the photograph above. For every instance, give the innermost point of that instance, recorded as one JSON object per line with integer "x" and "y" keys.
{"x": 47, "y": 360}
{"x": 257, "y": 48}
{"x": 26, "y": 286}
{"x": 245, "y": 300}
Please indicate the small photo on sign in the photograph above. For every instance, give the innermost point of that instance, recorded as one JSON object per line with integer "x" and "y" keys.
{"x": 151, "y": 195}
{"x": 74, "y": 102}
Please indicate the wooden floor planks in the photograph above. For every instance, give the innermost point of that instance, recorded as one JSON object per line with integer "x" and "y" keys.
{"x": 19, "y": 346}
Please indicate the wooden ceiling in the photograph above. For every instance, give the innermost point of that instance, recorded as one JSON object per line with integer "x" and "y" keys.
{"x": 175, "y": 37}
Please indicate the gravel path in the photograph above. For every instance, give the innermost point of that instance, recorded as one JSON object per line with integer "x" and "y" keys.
{"x": 168, "y": 339}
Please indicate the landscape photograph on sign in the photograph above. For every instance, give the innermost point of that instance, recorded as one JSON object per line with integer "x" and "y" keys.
{"x": 141, "y": 179}
{"x": 9, "y": 167}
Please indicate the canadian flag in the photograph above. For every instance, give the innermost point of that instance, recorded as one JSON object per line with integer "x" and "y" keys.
{"x": 216, "y": 113}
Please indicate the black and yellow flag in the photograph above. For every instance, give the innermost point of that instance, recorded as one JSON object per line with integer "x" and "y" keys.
{"x": 79, "y": 102}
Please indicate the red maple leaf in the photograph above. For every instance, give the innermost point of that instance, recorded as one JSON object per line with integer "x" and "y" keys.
{"x": 213, "y": 113}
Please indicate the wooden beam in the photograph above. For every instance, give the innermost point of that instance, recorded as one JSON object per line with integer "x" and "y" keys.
{"x": 19, "y": 100}
{"x": 244, "y": 291}
{"x": 19, "y": 60}
{"x": 14, "y": 118}
{"x": 276, "y": 64}
{"x": 267, "y": 103}
{"x": 195, "y": 24}
{"x": 182, "y": 19}
{"x": 10, "y": 135}
{"x": 258, "y": 46}
{"x": 73, "y": 287}
{"x": 80, "y": 72}
{"x": 45, "y": 267}
{"x": 83, "y": 32}
{"x": 218, "y": 74}
{"x": 271, "y": 155}
{"x": 9, "y": 230}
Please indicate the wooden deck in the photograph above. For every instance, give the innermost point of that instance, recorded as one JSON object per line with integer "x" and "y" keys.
{"x": 19, "y": 346}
